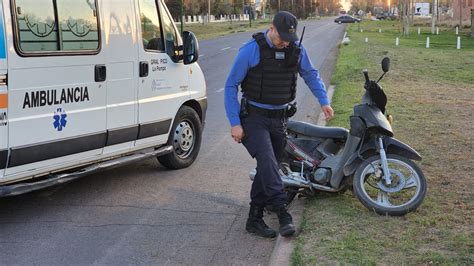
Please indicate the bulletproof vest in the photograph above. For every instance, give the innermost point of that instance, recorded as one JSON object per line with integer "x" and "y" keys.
{"x": 273, "y": 80}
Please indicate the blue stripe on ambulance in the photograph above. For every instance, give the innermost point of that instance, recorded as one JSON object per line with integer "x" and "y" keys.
{"x": 3, "y": 50}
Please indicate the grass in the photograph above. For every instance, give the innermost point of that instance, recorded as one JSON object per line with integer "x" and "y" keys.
{"x": 217, "y": 29}
{"x": 431, "y": 96}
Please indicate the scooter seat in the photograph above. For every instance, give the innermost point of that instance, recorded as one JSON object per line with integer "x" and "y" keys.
{"x": 311, "y": 130}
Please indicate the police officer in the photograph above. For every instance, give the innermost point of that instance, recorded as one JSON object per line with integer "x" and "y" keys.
{"x": 266, "y": 68}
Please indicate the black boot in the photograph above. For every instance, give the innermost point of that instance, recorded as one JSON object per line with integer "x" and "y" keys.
{"x": 256, "y": 225}
{"x": 286, "y": 222}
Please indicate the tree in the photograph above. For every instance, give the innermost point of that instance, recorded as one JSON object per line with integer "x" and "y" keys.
{"x": 193, "y": 7}
{"x": 357, "y": 5}
{"x": 434, "y": 16}
{"x": 221, "y": 7}
{"x": 237, "y": 6}
{"x": 174, "y": 7}
{"x": 406, "y": 21}
{"x": 472, "y": 22}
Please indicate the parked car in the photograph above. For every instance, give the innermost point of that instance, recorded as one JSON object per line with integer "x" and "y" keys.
{"x": 381, "y": 16}
{"x": 346, "y": 19}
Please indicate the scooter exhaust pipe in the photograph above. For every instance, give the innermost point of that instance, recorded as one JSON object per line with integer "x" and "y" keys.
{"x": 324, "y": 188}
{"x": 290, "y": 182}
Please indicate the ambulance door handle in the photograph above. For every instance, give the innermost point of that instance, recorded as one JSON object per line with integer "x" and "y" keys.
{"x": 100, "y": 73}
{"x": 143, "y": 69}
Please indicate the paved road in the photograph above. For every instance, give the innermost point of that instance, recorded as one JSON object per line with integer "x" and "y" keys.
{"x": 144, "y": 214}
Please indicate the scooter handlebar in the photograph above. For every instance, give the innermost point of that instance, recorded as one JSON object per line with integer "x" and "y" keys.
{"x": 366, "y": 75}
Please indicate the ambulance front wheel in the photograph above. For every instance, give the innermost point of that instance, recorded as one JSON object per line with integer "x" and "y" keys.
{"x": 185, "y": 137}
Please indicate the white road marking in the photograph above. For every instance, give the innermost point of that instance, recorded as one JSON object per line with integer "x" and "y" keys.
{"x": 227, "y": 48}
{"x": 220, "y": 90}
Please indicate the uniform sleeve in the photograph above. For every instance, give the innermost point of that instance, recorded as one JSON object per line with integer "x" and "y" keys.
{"x": 243, "y": 62}
{"x": 312, "y": 78}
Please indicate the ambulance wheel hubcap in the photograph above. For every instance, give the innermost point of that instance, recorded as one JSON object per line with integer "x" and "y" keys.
{"x": 183, "y": 139}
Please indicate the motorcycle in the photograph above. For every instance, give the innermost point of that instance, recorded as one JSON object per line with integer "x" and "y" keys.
{"x": 378, "y": 167}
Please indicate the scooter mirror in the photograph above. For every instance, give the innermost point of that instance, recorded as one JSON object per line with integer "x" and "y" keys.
{"x": 386, "y": 64}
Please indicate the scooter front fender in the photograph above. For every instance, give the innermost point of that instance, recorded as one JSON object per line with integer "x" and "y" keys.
{"x": 392, "y": 146}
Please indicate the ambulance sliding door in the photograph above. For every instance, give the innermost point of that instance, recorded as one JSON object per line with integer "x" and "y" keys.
{"x": 57, "y": 84}
{"x": 121, "y": 52}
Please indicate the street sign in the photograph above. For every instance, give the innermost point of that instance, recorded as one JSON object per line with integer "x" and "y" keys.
{"x": 422, "y": 9}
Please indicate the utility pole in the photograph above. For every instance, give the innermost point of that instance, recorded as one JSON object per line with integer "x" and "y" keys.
{"x": 182, "y": 17}
{"x": 434, "y": 16}
{"x": 472, "y": 22}
{"x": 250, "y": 15}
{"x": 233, "y": 8}
{"x": 304, "y": 10}
{"x": 208, "y": 10}
{"x": 460, "y": 14}
{"x": 310, "y": 6}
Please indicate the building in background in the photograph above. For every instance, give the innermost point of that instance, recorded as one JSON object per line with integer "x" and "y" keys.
{"x": 462, "y": 11}
{"x": 260, "y": 8}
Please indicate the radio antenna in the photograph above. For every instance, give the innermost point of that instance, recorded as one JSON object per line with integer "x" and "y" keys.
{"x": 302, "y": 35}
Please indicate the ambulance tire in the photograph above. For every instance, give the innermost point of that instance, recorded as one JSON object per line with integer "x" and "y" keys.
{"x": 185, "y": 137}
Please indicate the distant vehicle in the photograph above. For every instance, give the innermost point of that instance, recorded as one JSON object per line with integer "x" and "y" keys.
{"x": 417, "y": 14}
{"x": 381, "y": 16}
{"x": 346, "y": 19}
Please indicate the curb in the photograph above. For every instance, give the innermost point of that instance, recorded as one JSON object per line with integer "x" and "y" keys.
{"x": 284, "y": 246}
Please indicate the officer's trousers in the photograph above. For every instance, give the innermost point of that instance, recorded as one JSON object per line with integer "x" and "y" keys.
{"x": 265, "y": 140}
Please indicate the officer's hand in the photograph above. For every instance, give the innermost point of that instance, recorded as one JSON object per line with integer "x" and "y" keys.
{"x": 328, "y": 112}
{"x": 237, "y": 133}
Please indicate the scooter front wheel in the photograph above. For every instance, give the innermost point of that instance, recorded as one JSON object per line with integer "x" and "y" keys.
{"x": 405, "y": 193}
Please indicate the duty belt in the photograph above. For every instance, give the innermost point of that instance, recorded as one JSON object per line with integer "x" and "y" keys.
{"x": 279, "y": 113}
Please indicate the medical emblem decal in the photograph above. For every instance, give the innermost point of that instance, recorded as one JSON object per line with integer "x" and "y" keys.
{"x": 60, "y": 119}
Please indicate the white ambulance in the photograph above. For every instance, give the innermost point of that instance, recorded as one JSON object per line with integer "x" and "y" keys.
{"x": 87, "y": 85}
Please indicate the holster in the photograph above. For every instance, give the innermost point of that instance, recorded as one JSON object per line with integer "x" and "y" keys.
{"x": 244, "y": 111}
{"x": 291, "y": 110}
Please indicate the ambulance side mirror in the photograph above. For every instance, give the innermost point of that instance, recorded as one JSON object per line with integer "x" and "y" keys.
{"x": 190, "y": 48}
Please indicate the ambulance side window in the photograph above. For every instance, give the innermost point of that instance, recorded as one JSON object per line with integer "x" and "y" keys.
{"x": 78, "y": 23}
{"x": 56, "y": 26}
{"x": 172, "y": 39}
{"x": 36, "y": 25}
{"x": 151, "y": 26}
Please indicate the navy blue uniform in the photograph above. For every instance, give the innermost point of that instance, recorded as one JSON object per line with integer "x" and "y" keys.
{"x": 265, "y": 126}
